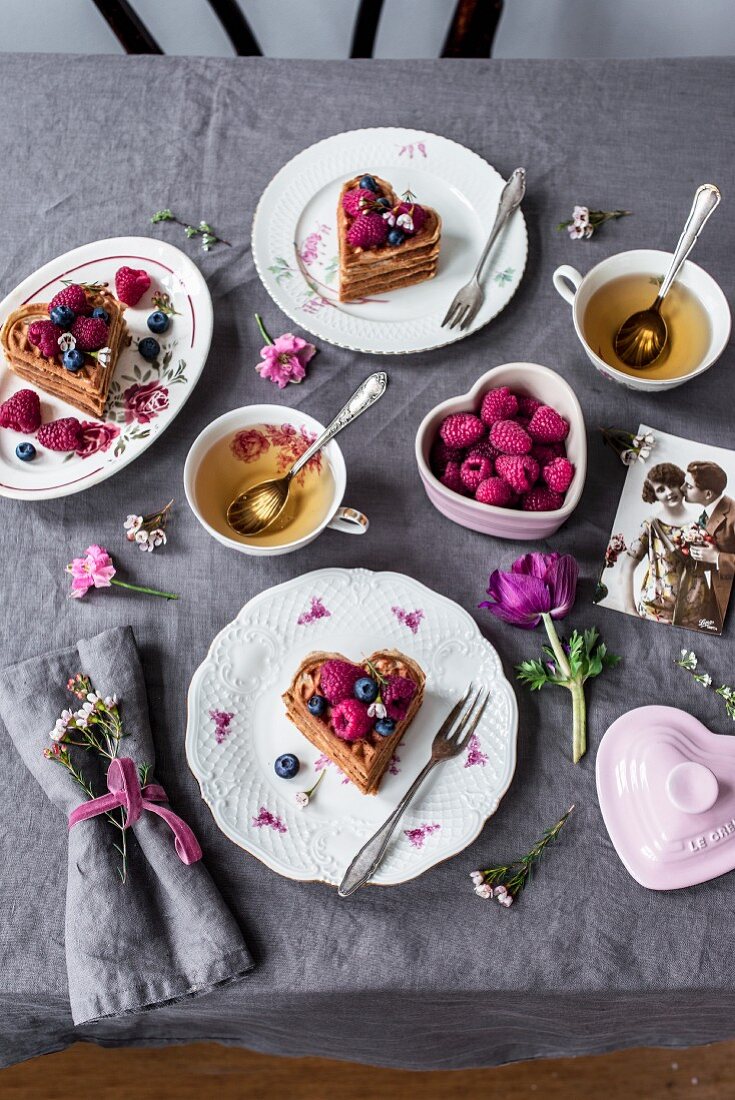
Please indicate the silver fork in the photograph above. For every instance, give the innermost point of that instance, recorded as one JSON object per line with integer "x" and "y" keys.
{"x": 468, "y": 300}
{"x": 454, "y": 734}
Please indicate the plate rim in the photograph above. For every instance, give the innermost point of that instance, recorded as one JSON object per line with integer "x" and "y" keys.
{"x": 205, "y": 322}
{"x": 198, "y": 674}
{"x": 453, "y": 336}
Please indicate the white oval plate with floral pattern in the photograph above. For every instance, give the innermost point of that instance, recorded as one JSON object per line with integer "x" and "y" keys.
{"x": 295, "y": 244}
{"x": 143, "y": 398}
{"x": 237, "y": 726}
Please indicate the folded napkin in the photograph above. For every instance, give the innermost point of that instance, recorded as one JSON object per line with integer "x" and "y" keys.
{"x": 165, "y": 933}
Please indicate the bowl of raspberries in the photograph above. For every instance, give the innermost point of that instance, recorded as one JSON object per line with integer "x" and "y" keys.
{"x": 509, "y": 458}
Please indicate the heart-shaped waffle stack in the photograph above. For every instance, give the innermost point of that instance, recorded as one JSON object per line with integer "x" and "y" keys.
{"x": 86, "y": 388}
{"x": 363, "y": 760}
{"x": 375, "y": 268}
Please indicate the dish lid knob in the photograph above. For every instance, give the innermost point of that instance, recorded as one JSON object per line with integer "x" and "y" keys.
{"x": 692, "y": 787}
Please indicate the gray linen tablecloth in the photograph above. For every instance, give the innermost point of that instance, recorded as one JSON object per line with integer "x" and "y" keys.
{"x": 422, "y": 975}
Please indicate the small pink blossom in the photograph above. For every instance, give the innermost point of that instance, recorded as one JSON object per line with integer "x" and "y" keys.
{"x": 94, "y": 570}
{"x": 285, "y": 360}
{"x": 484, "y": 891}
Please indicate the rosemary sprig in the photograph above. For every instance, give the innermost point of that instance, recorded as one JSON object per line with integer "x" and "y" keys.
{"x": 203, "y": 229}
{"x": 162, "y": 302}
{"x": 506, "y": 880}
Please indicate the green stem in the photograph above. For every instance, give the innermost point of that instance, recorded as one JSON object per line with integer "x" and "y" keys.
{"x": 149, "y": 591}
{"x": 576, "y": 686}
{"x": 263, "y": 333}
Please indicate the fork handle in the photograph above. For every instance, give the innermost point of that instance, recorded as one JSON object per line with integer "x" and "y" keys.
{"x": 510, "y": 199}
{"x": 370, "y": 856}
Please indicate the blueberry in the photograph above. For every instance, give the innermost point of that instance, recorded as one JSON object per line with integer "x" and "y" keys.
{"x": 287, "y": 766}
{"x": 396, "y": 236}
{"x": 317, "y": 705}
{"x": 158, "y": 321}
{"x": 366, "y": 689}
{"x": 63, "y": 316}
{"x": 368, "y": 184}
{"x": 73, "y": 360}
{"x": 385, "y": 727}
{"x": 25, "y": 452}
{"x": 98, "y": 311}
{"x": 384, "y": 202}
{"x": 149, "y": 348}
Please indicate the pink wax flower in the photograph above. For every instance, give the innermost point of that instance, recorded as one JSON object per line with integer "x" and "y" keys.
{"x": 283, "y": 360}
{"x": 94, "y": 570}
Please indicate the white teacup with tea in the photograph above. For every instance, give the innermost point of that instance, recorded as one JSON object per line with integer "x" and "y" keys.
{"x": 255, "y": 443}
{"x": 695, "y": 310}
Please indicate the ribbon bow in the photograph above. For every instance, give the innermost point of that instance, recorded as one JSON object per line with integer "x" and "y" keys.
{"x": 125, "y": 790}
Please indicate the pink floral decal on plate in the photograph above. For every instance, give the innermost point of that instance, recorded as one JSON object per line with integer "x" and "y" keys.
{"x": 418, "y": 836}
{"x": 475, "y": 755}
{"x": 95, "y": 437}
{"x": 323, "y": 762}
{"x": 418, "y": 146}
{"x": 315, "y": 612}
{"x": 221, "y": 719}
{"x": 143, "y": 403}
{"x": 411, "y": 619}
{"x": 272, "y": 821}
{"x": 393, "y": 765}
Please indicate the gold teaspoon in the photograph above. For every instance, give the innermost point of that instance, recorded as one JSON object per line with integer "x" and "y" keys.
{"x": 641, "y": 339}
{"x": 260, "y": 505}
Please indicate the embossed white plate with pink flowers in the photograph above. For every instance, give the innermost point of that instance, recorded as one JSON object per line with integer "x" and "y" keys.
{"x": 294, "y": 239}
{"x": 144, "y": 397}
{"x": 237, "y": 727}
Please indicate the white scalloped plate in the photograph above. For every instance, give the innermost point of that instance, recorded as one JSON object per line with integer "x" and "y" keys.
{"x": 251, "y": 662}
{"x": 143, "y": 398}
{"x": 295, "y": 246}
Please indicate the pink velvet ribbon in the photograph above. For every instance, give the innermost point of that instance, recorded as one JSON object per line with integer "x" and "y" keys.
{"x": 125, "y": 790}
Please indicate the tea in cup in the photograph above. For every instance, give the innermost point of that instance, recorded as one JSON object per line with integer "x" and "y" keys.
{"x": 695, "y": 310}
{"x": 257, "y": 443}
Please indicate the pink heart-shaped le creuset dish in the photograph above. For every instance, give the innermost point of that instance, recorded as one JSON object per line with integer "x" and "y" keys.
{"x": 666, "y": 786}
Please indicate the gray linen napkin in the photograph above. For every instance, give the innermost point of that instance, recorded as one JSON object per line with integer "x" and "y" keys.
{"x": 164, "y": 934}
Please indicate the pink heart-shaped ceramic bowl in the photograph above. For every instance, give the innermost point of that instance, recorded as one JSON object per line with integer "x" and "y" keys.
{"x": 666, "y": 786}
{"x": 532, "y": 380}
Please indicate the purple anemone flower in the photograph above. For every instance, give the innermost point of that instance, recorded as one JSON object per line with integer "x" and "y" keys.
{"x": 538, "y": 584}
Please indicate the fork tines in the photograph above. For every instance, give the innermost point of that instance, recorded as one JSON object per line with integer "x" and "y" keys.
{"x": 462, "y": 720}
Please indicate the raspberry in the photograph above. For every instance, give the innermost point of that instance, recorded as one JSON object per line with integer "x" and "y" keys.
{"x": 417, "y": 213}
{"x": 441, "y": 455}
{"x": 350, "y": 720}
{"x": 494, "y": 491}
{"x": 131, "y": 284}
{"x": 351, "y": 200}
{"x": 527, "y": 405}
{"x": 462, "y": 430}
{"x": 541, "y": 500}
{"x": 72, "y": 296}
{"x": 558, "y": 474}
{"x": 60, "y": 435}
{"x": 484, "y": 448}
{"x": 452, "y": 478}
{"x": 499, "y": 404}
{"x": 474, "y": 469}
{"x": 45, "y": 335}
{"x": 545, "y": 452}
{"x": 519, "y": 471}
{"x": 367, "y": 231}
{"x": 337, "y": 680}
{"x": 510, "y": 438}
{"x": 547, "y": 426}
{"x": 21, "y": 412}
{"x": 397, "y": 693}
{"x": 90, "y": 333}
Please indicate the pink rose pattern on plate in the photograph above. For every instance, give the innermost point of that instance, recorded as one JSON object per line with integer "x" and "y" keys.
{"x": 411, "y": 619}
{"x": 475, "y": 755}
{"x": 316, "y": 611}
{"x": 266, "y": 819}
{"x": 418, "y": 836}
{"x": 221, "y": 719}
{"x": 144, "y": 403}
{"x": 95, "y": 437}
